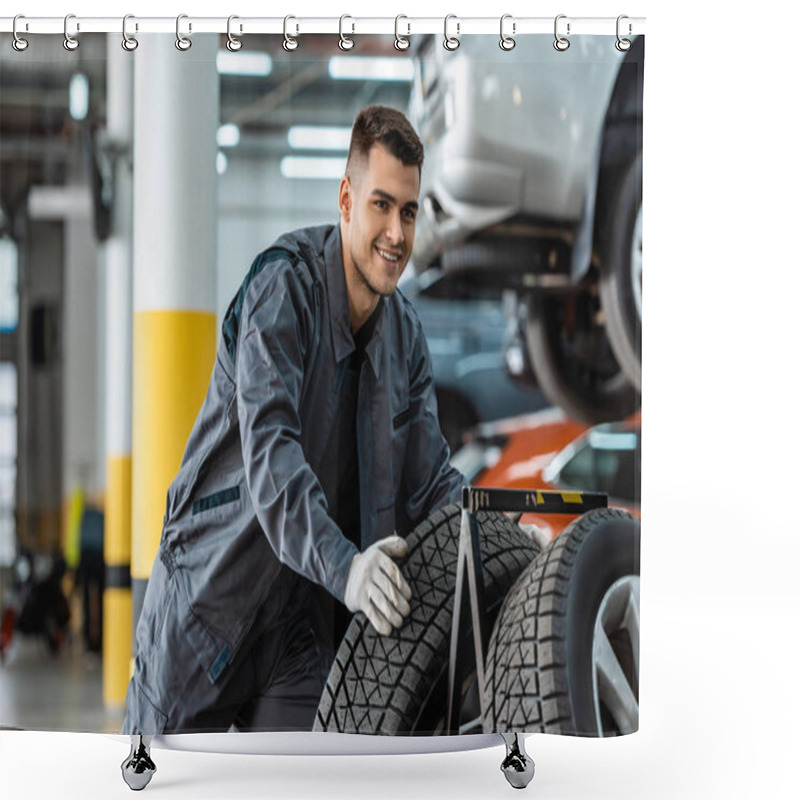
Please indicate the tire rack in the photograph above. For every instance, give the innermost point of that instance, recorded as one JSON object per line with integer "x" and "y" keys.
{"x": 469, "y": 606}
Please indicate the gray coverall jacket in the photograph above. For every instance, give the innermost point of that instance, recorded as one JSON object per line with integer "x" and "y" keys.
{"x": 247, "y": 502}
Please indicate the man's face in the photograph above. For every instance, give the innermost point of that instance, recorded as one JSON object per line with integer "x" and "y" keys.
{"x": 379, "y": 209}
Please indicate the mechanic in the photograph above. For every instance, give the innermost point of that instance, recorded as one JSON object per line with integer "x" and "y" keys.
{"x": 316, "y": 450}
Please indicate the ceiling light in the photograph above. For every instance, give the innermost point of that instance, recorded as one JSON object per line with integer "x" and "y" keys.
{"x": 370, "y": 68}
{"x": 228, "y": 135}
{"x": 78, "y": 96}
{"x": 222, "y": 162}
{"x": 311, "y": 137}
{"x": 255, "y": 64}
{"x": 306, "y": 167}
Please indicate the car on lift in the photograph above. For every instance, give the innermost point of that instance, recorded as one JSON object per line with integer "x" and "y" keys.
{"x": 533, "y": 183}
{"x": 548, "y": 450}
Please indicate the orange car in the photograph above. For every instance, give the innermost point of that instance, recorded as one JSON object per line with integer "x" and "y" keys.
{"x": 548, "y": 450}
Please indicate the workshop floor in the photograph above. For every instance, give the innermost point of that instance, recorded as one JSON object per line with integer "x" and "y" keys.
{"x": 39, "y": 691}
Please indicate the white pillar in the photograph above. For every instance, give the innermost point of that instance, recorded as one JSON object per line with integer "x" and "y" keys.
{"x": 176, "y": 114}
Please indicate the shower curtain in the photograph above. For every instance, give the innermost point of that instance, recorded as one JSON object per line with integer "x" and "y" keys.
{"x": 145, "y": 181}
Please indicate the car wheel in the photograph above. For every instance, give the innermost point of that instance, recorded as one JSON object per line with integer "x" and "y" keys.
{"x": 398, "y": 683}
{"x": 564, "y": 654}
{"x": 621, "y": 273}
{"x": 572, "y": 358}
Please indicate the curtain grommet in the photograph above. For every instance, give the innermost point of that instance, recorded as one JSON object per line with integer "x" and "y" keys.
{"x": 561, "y": 43}
{"x": 451, "y": 42}
{"x": 70, "y": 42}
{"x": 507, "y": 42}
{"x": 18, "y": 43}
{"x": 183, "y": 43}
{"x": 401, "y": 42}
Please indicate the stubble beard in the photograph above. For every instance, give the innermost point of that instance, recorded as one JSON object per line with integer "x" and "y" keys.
{"x": 363, "y": 278}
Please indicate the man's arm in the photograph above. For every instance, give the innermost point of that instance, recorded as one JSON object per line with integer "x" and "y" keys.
{"x": 430, "y": 481}
{"x": 276, "y": 331}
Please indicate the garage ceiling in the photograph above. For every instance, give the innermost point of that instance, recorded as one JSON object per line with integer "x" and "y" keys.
{"x": 39, "y": 140}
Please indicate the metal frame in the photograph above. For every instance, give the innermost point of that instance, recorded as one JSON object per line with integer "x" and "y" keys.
{"x": 469, "y": 606}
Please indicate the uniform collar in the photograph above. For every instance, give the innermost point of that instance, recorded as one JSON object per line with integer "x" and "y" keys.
{"x": 343, "y": 344}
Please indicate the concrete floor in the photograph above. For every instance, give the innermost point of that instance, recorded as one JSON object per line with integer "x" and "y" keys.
{"x": 42, "y": 692}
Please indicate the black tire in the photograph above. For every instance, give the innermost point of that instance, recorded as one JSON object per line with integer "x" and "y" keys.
{"x": 620, "y": 273}
{"x": 540, "y": 665}
{"x": 572, "y": 357}
{"x": 397, "y": 684}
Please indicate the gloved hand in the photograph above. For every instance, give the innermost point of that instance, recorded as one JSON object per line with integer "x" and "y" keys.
{"x": 537, "y": 534}
{"x": 376, "y": 586}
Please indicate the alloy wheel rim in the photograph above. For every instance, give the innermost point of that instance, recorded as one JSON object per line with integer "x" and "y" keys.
{"x": 615, "y": 659}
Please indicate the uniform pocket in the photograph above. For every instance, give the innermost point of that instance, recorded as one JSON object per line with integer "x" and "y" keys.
{"x": 401, "y": 418}
{"x": 220, "y": 498}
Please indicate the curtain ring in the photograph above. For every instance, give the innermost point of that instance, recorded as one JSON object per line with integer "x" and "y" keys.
{"x": 345, "y": 42}
{"x": 183, "y": 43}
{"x": 233, "y": 44}
{"x": 451, "y": 42}
{"x": 561, "y": 43}
{"x": 18, "y": 43}
{"x": 129, "y": 43}
{"x": 289, "y": 43}
{"x": 506, "y": 42}
{"x": 400, "y": 42}
{"x": 623, "y": 45}
{"x": 70, "y": 42}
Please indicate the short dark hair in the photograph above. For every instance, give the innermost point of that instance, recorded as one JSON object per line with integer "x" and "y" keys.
{"x": 389, "y": 127}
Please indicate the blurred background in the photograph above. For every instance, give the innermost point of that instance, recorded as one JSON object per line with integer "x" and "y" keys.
{"x": 134, "y": 184}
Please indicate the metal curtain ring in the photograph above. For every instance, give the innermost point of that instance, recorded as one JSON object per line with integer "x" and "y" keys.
{"x": 400, "y": 42}
{"x": 182, "y": 42}
{"x": 451, "y": 42}
{"x": 129, "y": 43}
{"x": 289, "y": 43}
{"x": 561, "y": 43}
{"x": 345, "y": 42}
{"x": 233, "y": 44}
{"x": 506, "y": 42}
{"x": 18, "y": 43}
{"x": 623, "y": 45}
{"x": 70, "y": 42}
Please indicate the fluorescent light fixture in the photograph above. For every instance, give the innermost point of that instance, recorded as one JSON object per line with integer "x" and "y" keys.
{"x": 370, "y": 68}
{"x": 222, "y": 162}
{"x": 228, "y": 135}
{"x": 78, "y": 96}
{"x": 311, "y": 137}
{"x": 306, "y": 167}
{"x": 258, "y": 65}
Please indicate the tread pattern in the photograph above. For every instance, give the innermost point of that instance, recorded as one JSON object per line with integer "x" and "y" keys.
{"x": 526, "y": 680}
{"x": 380, "y": 684}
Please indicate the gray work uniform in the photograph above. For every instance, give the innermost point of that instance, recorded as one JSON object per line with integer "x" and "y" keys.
{"x": 247, "y": 534}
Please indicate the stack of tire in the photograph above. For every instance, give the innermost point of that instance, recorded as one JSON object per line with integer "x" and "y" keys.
{"x": 563, "y": 653}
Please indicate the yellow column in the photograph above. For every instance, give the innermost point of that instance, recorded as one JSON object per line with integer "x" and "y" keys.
{"x": 173, "y": 357}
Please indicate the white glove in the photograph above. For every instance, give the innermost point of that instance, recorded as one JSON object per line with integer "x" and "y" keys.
{"x": 537, "y": 534}
{"x": 376, "y": 586}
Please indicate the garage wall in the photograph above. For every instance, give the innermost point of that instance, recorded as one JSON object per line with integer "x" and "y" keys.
{"x": 257, "y": 205}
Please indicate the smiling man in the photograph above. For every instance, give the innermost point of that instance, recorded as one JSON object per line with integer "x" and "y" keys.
{"x": 316, "y": 450}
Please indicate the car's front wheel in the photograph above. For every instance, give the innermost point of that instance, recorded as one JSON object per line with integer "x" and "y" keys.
{"x": 572, "y": 358}
{"x": 621, "y": 272}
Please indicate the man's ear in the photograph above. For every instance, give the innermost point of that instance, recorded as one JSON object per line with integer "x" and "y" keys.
{"x": 345, "y": 198}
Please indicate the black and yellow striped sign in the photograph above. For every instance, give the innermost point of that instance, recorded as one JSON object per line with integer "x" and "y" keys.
{"x": 537, "y": 501}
